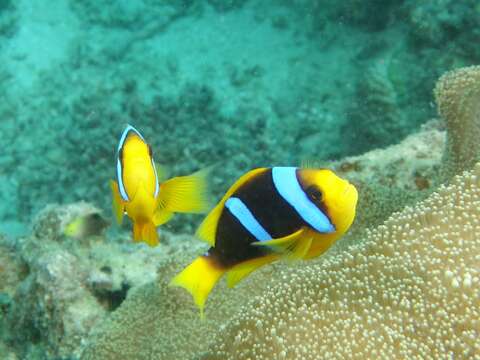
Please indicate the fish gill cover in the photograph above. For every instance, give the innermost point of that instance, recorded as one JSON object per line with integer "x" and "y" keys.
{"x": 237, "y": 83}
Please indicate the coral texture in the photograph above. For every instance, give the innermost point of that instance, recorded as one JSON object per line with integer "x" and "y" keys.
{"x": 410, "y": 290}
{"x": 56, "y": 289}
{"x": 458, "y": 98}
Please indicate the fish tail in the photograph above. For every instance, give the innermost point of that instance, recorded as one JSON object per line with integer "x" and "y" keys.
{"x": 186, "y": 194}
{"x": 199, "y": 278}
{"x": 146, "y": 232}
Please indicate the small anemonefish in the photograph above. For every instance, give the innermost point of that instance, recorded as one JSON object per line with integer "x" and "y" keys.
{"x": 269, "y": 214}
{"x": 138, "y": 192}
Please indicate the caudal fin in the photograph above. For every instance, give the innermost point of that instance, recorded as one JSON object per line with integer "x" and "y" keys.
{"x": 145, "y": 232}
{"x": 185, "y": 194}
{"x": 199, "y": 278}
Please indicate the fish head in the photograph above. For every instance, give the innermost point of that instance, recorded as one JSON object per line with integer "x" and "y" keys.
{"x": 335, "y": 196}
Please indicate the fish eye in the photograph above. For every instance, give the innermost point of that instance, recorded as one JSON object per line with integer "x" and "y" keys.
{"x": 314, "y": 193}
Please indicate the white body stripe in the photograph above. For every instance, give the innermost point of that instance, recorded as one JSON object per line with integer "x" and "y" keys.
{"x": 243, "y": 214}
{"x": 157, "y": 186}
{"x": 287, "y": 185}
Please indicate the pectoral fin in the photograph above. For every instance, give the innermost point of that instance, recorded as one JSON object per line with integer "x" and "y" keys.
{"x": 118, "y": 204}
{"x": 291, "y": 247}
{"x": 161, "y": 217}
{"x": 185, "y": 194}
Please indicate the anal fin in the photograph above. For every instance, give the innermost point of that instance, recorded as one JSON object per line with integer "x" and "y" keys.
{"x": 242, "y": 270}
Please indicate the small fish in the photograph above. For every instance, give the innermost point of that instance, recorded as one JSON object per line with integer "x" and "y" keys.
{"x": 138, "y": 192}
{"x": 269, "y": 214}
{"x": 86, "y": 225}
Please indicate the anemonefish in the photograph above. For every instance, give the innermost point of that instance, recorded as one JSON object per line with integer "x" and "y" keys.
{"x": 269, "y": 214}
{"x": 139, "y": 193}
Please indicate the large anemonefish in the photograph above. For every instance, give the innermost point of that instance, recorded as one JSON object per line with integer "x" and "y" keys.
{"x": 138, "y": 192}
{"x": 268, "y": 214}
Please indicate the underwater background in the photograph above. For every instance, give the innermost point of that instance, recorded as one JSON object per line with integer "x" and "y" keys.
{"x": 239, "y": 84}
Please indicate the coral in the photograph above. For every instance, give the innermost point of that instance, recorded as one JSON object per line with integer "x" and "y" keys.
{"x": 160, "y": 322}
{"x": 8, "y": 19}
{"x": 11, "y": 270}
{"x": 445, "y": 22}
{"x": 378, "y": 117}
{"x": 51, "y": 223}
{"x": 58, "y": 288}
{"x": 53, "y": 305}
{"x": 129, "y": 15}
{"x": 226, "y": 5}
{"x": 458, "y": 98}
{"x": 410, "y": 290}
{"x": 389, "y": 179}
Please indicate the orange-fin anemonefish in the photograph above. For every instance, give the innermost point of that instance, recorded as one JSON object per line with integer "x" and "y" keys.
{"x": 138, "y": 192}
{"x": 269, "y": 214}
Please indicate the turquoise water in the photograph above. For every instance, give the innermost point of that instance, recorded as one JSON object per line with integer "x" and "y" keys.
{"x": 238, "y": 84}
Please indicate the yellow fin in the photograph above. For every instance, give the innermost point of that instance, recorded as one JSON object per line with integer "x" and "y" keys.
{"x": 149, "y": 234}
{"x": 281, "y": 243}
{"x": 161, "y": 217}
{"x": 298, "y": 250}
{"x": 137, "y": 232}
{"x": 198, "y": 279}
{"x": 185, "y": 194}
{"x": 207, "y": 229}
{"x": 117, "y": 202}
{"x": 145, "y": 232}
{"x": 292, "y": 247}
{"x": 242, "y": 270}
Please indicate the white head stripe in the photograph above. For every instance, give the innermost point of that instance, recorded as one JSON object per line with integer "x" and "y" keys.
{"x": 121, "y": 187}
{"x": 124, "y": 136}
{"x": 287, "y": 185}
{"x": 243, "y": 214}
